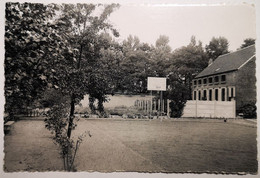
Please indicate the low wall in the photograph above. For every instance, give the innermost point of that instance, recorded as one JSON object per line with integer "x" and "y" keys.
{"x": 118, "y": 100}
{"x": 218, "y": 109}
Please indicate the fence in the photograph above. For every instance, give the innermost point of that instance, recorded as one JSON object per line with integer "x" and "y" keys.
{"x": 154, "y": 105}
{"x": 36, "y": 112}
{"x": 217, "y": 109}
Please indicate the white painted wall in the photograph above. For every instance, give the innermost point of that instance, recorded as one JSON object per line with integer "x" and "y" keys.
{"x": 218, "y": 109}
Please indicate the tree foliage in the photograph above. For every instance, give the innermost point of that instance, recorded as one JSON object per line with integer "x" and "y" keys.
{"x": 135, "y": 66}
{"x": 216, "y": 47}
{"x": 161, "y": 55}
{"x": 247, "y": 42}
{"x": 82, "y": 30}
{"x": 104, "y": 76}
{"x": 31, "y": 46}
{"x": 186, "y": 63}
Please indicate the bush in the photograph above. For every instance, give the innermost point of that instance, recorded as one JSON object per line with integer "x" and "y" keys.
{"x": 130, "y": 112}
{"x": 248, "y": 110}
{"x": 177, "y": 108}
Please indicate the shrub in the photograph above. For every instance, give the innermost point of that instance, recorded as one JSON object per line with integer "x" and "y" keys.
{"x": 177, "y": 108}
{"x": 248, "y": 110}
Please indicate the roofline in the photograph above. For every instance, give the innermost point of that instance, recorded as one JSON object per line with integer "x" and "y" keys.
{"x": 246, "y": 61}
{"x": 230, "y": 70}
{"x": 216, "y": 73}
{"x": 236, "y": 51}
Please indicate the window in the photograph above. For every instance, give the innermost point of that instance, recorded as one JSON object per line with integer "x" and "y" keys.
{"x": 210, "y": 80}
{"x": 231, "y": 94}
{"x": 195, "y": 82}
{"x": 194, "y": 95}
{"x": 204, "y": 81}
{"x": 223, "y": 94}
{"x": 216, "y": 79}
{"x": 204, "y": 95}
{"x": 216, "y": 94}
{"x": 223, "y": 78}
{"x": 199, "y": 95}
{"x": 210, "y": 95}
{"x": 199, "y": 81}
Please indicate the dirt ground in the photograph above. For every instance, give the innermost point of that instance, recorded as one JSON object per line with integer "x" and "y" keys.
{"x": 176, "y": 145}
{"x": 29, "y": 147}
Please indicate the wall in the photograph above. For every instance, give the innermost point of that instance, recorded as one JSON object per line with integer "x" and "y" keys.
{"x": 229, "y": 83}
{"x": 246, "y": 83}
{"x": 214, "y": 109}
{"x": 118, "y": 100}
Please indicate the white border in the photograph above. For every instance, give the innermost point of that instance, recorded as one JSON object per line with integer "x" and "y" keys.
{"x": 138, "y": 2}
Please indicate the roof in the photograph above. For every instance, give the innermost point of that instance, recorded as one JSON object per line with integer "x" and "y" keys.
{"x": 229, "y": 62}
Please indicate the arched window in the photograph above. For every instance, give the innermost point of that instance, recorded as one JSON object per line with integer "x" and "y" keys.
{"x": 223, "y": 96}
{"x": 210, "y": 95}
{"x": 204, "y": 95}
{"x": 195, "y": 95}
{"x": 216, "y": 94}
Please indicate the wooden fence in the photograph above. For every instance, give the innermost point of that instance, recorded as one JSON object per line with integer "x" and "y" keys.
{"x": 151, "y": 106}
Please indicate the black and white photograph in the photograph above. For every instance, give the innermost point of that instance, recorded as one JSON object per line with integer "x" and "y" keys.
{"x": 118, "y": 87}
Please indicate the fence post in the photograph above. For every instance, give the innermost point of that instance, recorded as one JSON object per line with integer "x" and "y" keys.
{"x": 163, "y": 106}
{"x": 159, "y": 105}
{"x": 151, "y": 106}
{"x": 147, "y": 106}
{"x": 168, "y": 108}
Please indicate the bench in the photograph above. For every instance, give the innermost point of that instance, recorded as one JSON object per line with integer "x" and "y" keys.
{"x": 7, "y": 126}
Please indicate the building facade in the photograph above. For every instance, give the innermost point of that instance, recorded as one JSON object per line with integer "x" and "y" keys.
{"x": 229, "y": 77}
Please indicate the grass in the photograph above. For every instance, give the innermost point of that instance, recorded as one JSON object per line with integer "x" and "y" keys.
{"x": 172, "y": 146}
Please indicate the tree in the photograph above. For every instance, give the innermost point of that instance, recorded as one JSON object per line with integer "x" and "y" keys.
{"x": 247, "y": 42}
{"x": 161, "y": 55}
{"x": 216, "y": 47}
{"x": 186, "y": 63}
{"x": 31, "y": 46}
{"x": 178, "y": 93}
{"x": 105, "y": 75}
{"x": 54, "y": 46}
{"x": 82, "y": 32}
{"x": 81, "y": 29}
{"x": 135, "y": 66}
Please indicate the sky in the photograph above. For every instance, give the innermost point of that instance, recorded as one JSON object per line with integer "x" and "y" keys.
{"x": 179, "y": 23}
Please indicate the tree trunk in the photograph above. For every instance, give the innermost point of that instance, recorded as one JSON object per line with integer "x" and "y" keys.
{"x": 72, "y": 109}
{"x": 100, "y": 106}
{"x": 72, "y": 103}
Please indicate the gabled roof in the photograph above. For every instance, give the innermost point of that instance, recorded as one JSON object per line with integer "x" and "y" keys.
{"x": 229, "y": 62}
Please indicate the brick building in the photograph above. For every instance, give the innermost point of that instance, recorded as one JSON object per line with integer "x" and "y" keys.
{"x": 229, "y": 77}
